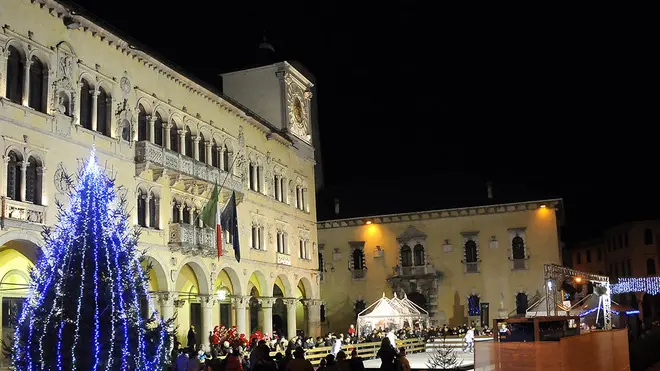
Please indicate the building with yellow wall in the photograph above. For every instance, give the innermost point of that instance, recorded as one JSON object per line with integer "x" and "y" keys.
{"x": 67, "y": 84}
{"x": 473, "y": 263}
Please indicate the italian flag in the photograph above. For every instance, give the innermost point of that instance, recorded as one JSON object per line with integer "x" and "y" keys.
{"x": 211, "y": 215}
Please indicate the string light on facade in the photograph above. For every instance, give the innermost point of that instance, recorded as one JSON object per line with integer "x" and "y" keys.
{"x": 649, "y": 285}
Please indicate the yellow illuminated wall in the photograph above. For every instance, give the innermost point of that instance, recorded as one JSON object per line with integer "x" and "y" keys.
{"x": 496, "y": 283}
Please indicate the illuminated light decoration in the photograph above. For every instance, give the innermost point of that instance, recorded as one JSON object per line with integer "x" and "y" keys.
{"x": 649, "y": 285}
{"x": 83, "y": 308}
{"x": 589, "y": 311}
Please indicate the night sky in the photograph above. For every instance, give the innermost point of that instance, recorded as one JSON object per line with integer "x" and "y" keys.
{"x": 419, "y": 106}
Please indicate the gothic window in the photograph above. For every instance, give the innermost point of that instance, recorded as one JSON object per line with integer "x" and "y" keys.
{"x": 175, "y": 213}
{"x": 153, "y": 211}
{"x": 648, "y": 236}
{"x": 406, "y": 256}
{"x": 360, "y": 305}
{"x": 158, "y": 130}
{"x": 32, "y": 189}
{"x": 14, "y": 176}
{"x": 186, "y": 214}
{"x": 174, "y": 138}
{"x": 215, "y": 154}
{"x": 418, "y": 252}
{"x": 358, "y": 259}
{"x": 142, "y": 124}
{"x": 650, "y": 266}
{"x": 202, "y": 148}
{"x": 255, "y": 237}
{"x": 253, "y": 180}
{"x": 141, "y": 209}
{"x": 321, "y": 263}
{"x": 225, "y": 159}
{"x": 15, "y": 70}
{"x": 521, "y": 303}
{"x": 518, "y": 247}
{"x": 284, "y": 197}
{"x": 298, "y": 198}
{"x": 322, "y": 312}
{"x": 470, "y": 251}
{"x": 276, "y": 188}
{"x": 189, "y": 142}
{"x": 86, "y": 104}
{"x": 103, "y": 104}
{"x": 257, "y": 181}
{"x": 301, "y": 248}
{"x": 473, "y": 305}
{"x": 38, "y": 84}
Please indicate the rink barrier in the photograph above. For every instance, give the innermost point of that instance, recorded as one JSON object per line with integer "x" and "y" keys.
{"x": 453, "y": 341}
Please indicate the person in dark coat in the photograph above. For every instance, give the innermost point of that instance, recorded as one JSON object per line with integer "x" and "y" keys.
{"x": 387, "y": 354}
{"x": 192, "y": 338}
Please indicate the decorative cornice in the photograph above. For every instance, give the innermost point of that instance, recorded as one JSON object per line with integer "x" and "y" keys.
{"x": 58, "y": 10}
{"x": 441, "y": 214}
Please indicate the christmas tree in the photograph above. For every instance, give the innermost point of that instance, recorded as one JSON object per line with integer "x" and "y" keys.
{"x": 443, "y": 357}
{"x": 83, "y": 310}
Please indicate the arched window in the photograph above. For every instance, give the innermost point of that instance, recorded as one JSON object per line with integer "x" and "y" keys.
{"x": 202, "y": 148}
{"x": 322, "y": 312}
{"x": 518, "y": 247}
{"x": 174, "y": 138}
{"x": 86, "y": 104}
{"x": 521, "y": 303}
{"x": 175, "y": 213}
{"x": 143, "y": 133}
{"x": 15, "y": 71}
{"x": 473, "y": 306}
{"x": 38, "y": 83}
{"x": 141, "y": 208}
{"x": 154, "y": 219}
{"x": 406, "y": 256}
{"x": 189, "y": 142}
{"x": 470, "y": 251}
{"x": 186, "y": 214}
{"x": 103, "y": 104}
{"x": 225, "y": 159}
{"x": 14, "y": 176}
{"x": 648, "y": 236}
{"x": 32, "y": 186}
{"x": 650, "y": 266}
{"x": 215, "y": 155}
{"x": 358, "y": 259}
{"x": 419, "y": 254}
{"x": 158, "y": 130}
{"x": 360, "y": 305}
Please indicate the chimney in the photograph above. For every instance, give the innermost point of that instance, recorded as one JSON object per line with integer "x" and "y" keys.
{"x": 489, "y": 189}
{"x": 336, "y": 206}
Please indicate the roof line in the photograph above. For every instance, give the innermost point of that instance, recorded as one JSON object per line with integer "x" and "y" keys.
{"x": 559, "y": 200}
{"x": 109, "y": 34}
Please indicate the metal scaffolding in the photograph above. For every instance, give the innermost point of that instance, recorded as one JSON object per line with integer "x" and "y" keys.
{"x": 555, "y": 275}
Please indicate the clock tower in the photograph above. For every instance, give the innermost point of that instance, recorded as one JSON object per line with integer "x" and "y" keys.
{"x": 281, "y": 94}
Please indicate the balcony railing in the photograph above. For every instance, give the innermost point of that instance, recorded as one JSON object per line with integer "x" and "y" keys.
{"x": 177, "y": 164}
{"x": 283, "y": 259}
{"x": 23, "y": 211}
{"x": 519, "y": 264}
{"x": 416, "y": 270}
{"x": 359, "y": 274}
{"x": 193, "y": 240}
{"x": 471, "y": 267}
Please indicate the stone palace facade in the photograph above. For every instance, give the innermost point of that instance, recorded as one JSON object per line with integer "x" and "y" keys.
{"x": 67, "y": 84}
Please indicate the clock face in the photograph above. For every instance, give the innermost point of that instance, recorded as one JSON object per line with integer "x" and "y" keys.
{"x": 298, "y": 110}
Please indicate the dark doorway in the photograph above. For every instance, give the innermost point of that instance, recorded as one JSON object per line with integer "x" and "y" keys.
{"x": 225, "y": 315}
{"x": 196, "y": 320}
{"x": 418, "y": 299}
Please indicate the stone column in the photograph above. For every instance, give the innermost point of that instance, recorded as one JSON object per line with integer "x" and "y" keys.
{"x": 158, "y": 214}
{"x": 3, "y": 76}
{"x": 267, "y": 313}
{"x": 166, "y": 133}
{"x": 207, "y": 322}
{"x": 95, "y": 114}
{"x": 182, "y": 141}
{"x": 26, "y": 83}
{"x": 221, "y": 160}
{"x": 23, "y": 185}
{"x": 181, "y": 206}
{"x": 241, "y": 304}
{"x": 313, "y": 317}
{"x": 209, "y": 153}
{"x": 290, "y": 316}
{"x": 152, "y": 130}
{"x": 146, "y": 197}
{"x": 196, "y": 140}
{"x": 166, "y": 300}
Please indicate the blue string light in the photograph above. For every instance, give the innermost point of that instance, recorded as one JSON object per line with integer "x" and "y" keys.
{"x": 90, "y": 253}
{"x": 649, "y": 285}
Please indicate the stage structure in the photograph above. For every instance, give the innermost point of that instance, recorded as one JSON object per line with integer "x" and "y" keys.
{"x": 554, "y": 278}
{"x": 392, "y": 314}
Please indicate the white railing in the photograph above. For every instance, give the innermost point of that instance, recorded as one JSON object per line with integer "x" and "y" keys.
{"x": 23, "y": 211}
{"x": 415, "y": 270}
{"x": 147, "y": 152}
{"x": 192, "y": 240}
{"x": 283, "y": 259}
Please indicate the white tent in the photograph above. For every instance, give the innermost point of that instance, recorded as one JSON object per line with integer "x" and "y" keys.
{"x": 392, "y": 314}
